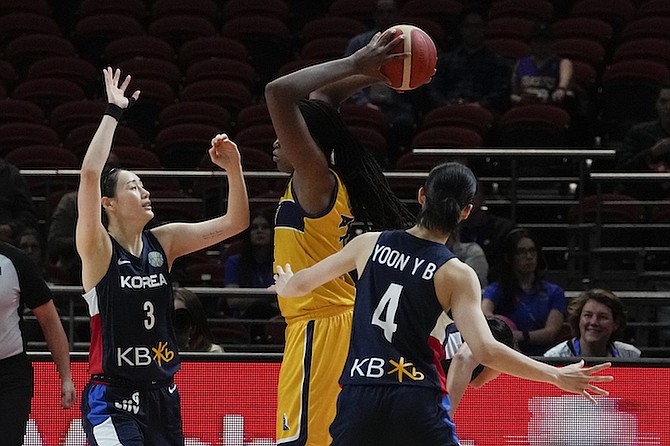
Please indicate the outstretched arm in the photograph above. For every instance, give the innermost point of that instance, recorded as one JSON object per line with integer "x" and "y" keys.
{"x": 354, "y": 255}
{"x": 458, "y": 376}
{"x": 49, "y": 321}
{"x": 179, "y": 239}
{"x": 91, "y": 238}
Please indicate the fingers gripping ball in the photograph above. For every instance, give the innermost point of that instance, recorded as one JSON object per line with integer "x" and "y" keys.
{"x": 415, "y": 70}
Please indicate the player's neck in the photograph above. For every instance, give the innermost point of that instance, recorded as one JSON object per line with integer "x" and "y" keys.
{"x": 426, "y": 234}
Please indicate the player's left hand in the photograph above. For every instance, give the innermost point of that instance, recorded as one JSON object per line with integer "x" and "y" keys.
{"x": 224, "y": 152}
{"x": 68, "y": 394}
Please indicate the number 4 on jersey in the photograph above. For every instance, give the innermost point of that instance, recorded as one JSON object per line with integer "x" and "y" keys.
{"x": 384, "y": 314}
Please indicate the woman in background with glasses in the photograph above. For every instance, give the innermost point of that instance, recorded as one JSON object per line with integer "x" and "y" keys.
{"x": 536, "y": 307}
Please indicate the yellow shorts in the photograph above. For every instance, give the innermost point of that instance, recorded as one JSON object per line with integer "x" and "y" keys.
{"x": 314, "y": 356}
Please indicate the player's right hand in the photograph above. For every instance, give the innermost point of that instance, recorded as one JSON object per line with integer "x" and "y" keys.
{"x": 576, "y": 378}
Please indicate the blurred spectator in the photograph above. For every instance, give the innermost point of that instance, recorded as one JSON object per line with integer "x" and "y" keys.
{"x": 536, "y": 307}
{"x": 16, "y": 205}
{"x": 32, "y": 243}
{"x": 252, "y": 268}
{"x": 597, "y": 319}
{"x": 401, "y": 109}
{"x": 646, "y": 146}
{"x": 471, "y": 254}
{"x": 543, "y": 76}
{"x": 471, "y": 73}
{"x": 190, "y": 324}
{"x": 488, "y": 231}
{"x": 60, "y": 240}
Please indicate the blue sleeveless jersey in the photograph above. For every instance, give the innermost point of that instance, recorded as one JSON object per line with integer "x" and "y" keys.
{"x": 131, "y": 316}
{"x": 395, "y": 311}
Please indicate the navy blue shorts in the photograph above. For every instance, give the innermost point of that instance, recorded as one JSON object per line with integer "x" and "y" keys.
{"x": 391, "y": 415}
{"x": 115, "y": 414}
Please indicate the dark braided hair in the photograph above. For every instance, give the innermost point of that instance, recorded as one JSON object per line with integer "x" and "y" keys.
{"x": 372, "y": 201}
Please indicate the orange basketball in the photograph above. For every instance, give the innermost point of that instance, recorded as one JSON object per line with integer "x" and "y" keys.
{"x": 415, "y": 70}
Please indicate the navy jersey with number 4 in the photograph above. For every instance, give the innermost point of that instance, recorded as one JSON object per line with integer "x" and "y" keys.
{"x": 131, "y": 316}
{"x": 395, "y": 311}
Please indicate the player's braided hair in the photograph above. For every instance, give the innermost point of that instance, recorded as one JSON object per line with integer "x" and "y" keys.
{"x": 372, "y": 201}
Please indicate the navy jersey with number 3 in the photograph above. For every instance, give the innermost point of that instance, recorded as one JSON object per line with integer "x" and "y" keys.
{"x": 395, "y": 310}
{"x": 131, "y": 316}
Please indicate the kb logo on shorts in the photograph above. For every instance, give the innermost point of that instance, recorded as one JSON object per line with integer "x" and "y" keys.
{"x": 377, "y": 367}
{"x": 140, "y": 356}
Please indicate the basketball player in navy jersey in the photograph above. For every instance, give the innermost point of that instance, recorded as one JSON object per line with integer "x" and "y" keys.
{"x": 131, "y": 397}
{"x": 391, "y": 384}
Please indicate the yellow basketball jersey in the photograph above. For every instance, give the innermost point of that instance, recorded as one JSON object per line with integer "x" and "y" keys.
{"x": 303, "y": 240}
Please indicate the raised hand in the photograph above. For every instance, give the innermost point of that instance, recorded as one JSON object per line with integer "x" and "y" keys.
{"x": 576, "y": 378}
{"x": 377, "y": 52}
{"x": 224, "y": 152}
{"x": 116, "y": 94}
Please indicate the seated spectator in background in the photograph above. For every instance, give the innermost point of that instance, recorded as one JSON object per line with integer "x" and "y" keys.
{"x": 190, "y": 324}
{"x": 488, "y": 231}
{"x": 646, "y": 148}
{"x": 252, "y": 268}
{"x": 16, "y": 204}
{"x": 401, "y": 109}
{"x": 542, "y": 77}
{"x": 60, "y": 240}
{"x": 597, "y": 319}
{"x": 30, "y": 241}
{"x": 471, "y": 73}
{"x": 471, "y": 254}
{"x": 536, "y": 307}
{"x": 459, "y": 364}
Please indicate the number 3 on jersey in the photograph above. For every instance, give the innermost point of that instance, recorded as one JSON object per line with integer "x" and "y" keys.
{"x": 384, "y": 314}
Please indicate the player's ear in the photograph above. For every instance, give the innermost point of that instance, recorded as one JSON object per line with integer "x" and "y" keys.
{"x": 421, "y": 196}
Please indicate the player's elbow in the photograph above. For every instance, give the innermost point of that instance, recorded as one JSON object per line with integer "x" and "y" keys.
{"x": 484, "y": 354}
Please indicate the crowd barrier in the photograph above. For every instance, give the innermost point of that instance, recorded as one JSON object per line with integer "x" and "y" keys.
{"x": 230, "y": 400}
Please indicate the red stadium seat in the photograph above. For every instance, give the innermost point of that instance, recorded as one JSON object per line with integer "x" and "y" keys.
{"x": 361, "y": 10}
{"x": 476, "y": 118}
{"x": 179, "y": 29}
{"x": 19, "y": 134}
{"x": 184, "y": 145}
{"x": 151, "y": 68}
{"x": 131, "y": 8}
{"x": 126, "y": 48}
{"x": 221, "y": 68}
{"x": 270, "y": 8}
{"x": 207, "y": 9}
{"x": 73, "y": 114}
{"x": 42, "y": 156}
{"x": 26, "y": 49}
{"x": 194, "y": 112}
{"x": 534, "y": 125}
{"x": 537, "y": 10}
{"x": 204, "y": 48}
{"x": 332, "y": 26}
{"x": 253, "y": 114}
{"x": 657, "y": 50}
{"x": 510, "y": 27}
{"x": 78, "y": 139}
{"x": 93, "y": 33}
{"x": 74, "y": 69}
{"x": 324, "y": 48}
{"x": 260, "y": 136}
{"x": 647, "y": 27}
{"x": 16, "y": 110}
{"x": 583, "y": 28}
{"x": 231, "y": 95}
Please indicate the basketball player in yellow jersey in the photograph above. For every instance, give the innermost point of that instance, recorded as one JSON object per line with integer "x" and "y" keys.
{"x": 321, "y": 201}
